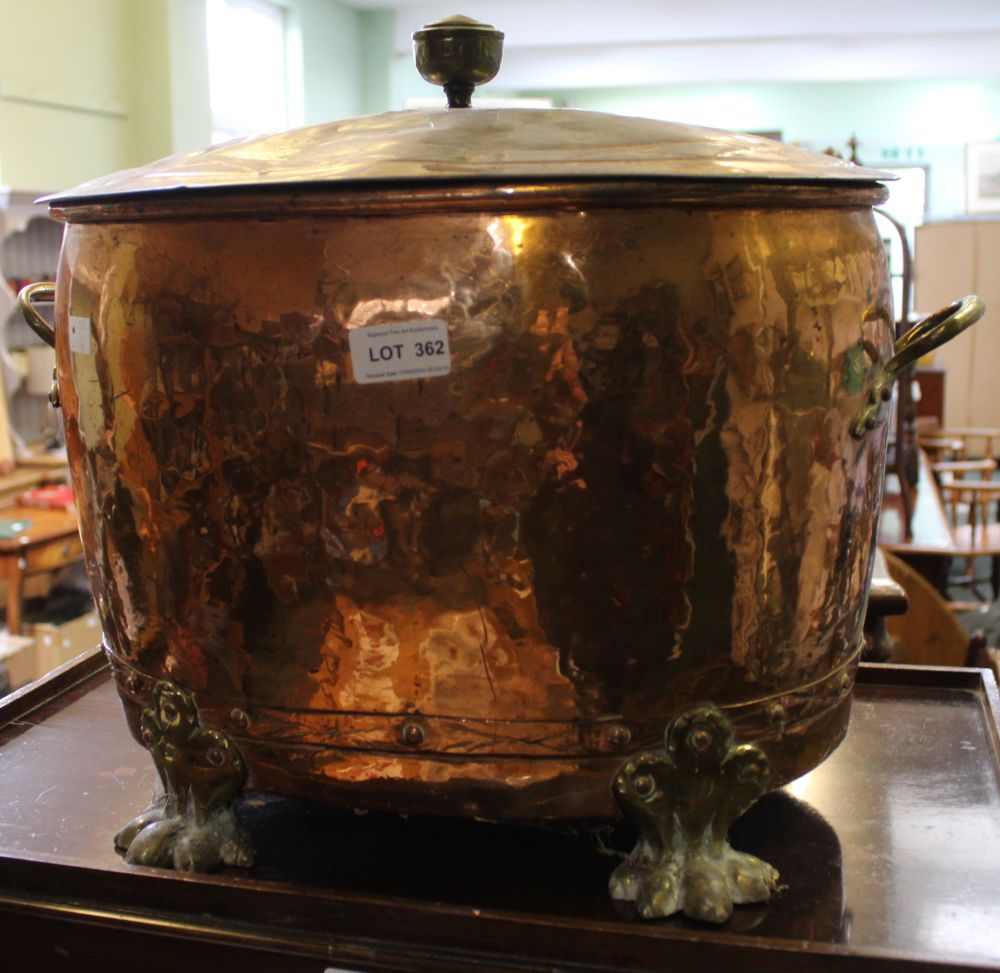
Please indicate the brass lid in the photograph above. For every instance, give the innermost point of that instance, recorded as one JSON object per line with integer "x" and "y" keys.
{"x": 479, "y": 145}
{"x": 485, "y": 146}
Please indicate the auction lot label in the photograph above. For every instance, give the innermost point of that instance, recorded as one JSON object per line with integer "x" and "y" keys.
{"x": 79, "y": 334}
{"x": 397, "y": 352}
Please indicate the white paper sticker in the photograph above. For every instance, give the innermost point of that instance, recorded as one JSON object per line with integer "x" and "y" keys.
{"x": 79, "y": 334}
{"x": 397, "y": 352}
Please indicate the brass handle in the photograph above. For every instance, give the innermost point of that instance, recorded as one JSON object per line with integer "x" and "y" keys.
{"x": 923, "y": 337}
{"x": 45, "y": 292}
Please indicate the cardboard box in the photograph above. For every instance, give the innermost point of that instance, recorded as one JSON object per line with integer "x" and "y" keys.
{"x": 56, "y": 644}
{"x": 19, "y": 655}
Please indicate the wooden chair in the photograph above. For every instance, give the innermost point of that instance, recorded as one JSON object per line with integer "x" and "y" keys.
{"x": 973, "y": 507}
{"x": 978, "y": 442}
{"x": 940, "y": 448}
{"x": 928, "y": 634}
{"x": 947, "y": 471}
{"x": 970, "y": 509}
{"x": 950, "y": 473}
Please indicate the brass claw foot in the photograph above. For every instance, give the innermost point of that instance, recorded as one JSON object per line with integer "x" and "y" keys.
{"x": 683, "y": 801}
{"x": 192, "y": 826}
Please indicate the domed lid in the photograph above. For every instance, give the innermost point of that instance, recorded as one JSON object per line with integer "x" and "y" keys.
{"x": 482, "y": 145}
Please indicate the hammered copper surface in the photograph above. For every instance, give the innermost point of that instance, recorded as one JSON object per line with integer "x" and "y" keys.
{"x": 443, "y": 145}
{"x": 635, "y": 491}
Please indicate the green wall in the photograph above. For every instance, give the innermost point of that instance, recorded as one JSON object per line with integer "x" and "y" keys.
{"x": 376, "y": 61}
{"x": 65, "y": 72}
{"x": 331, "y": 58}
{"x": 167, "y": 84}
{"x": 896, "y": 122}
{"x": 88, "y": 87}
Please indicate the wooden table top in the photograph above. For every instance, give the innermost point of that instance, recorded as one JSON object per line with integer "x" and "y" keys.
{"x": 930, "y": 527}
{"x": 42, "y": 525}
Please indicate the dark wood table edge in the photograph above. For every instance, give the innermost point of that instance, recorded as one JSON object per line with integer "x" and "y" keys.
{"x": 377, "y": 933}
{"x": 18, "y": 704}
{"x": 365, "y": 933}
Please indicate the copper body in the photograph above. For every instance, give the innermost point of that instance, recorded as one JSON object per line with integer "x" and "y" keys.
{"x": 635, "y": 491}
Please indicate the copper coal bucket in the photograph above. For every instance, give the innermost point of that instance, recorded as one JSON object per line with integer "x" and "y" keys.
{"x": 439, "y": 461}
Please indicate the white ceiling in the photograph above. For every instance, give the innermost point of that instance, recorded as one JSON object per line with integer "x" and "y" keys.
{"x": 596, "y": 43}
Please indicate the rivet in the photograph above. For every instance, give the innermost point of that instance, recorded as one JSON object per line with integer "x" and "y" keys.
{"x": 239, "y": 718}
{"x": 132, "y": 682}
{"x": 845, "y": 682}
{"x": 216, "y": 757}
{"x": 620, "y": 736}
{"x": 413, "y": 734}
{"x": 776, "y": 713}
{"x": 644, "y": 785}
{"x": 700, "y": 739}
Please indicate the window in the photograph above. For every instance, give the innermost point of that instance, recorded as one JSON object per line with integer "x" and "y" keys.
{"x": 246, "y": 68}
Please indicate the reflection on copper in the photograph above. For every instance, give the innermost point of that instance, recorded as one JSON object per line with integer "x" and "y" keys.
{"x": 440, "y": 144}
{"x": 402, "y": 309}
{"x": 635, "y": 490}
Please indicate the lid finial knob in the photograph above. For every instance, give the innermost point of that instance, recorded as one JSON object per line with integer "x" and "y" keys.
{"x": 458, "y": 53}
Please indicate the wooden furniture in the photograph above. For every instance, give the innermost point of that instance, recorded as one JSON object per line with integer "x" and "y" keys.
{"x": 977, "y": 441}
{"x": 936, "y": 537}
{"x": 931, "y": 380}
{"x": 969, "y": 442}
{"x": 886, "y": 597}
{"x": 973, "y": 506}
{"x": 30, "y": 242}
{"x": 947, "y": 471}
{"x": 930, "y": 545}
{"x": 49, "y": 540}
{"x": 950, "y": 476}
{"x": 13, "y": 484}
{"x": 941, "y": 448}
{"x": 927, "y": 634}
{"x": 889, "y": 854}
{"x": 978, "y": 496}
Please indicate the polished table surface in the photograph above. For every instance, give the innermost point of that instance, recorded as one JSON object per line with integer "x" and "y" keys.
{"x": 889, "y": 855}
